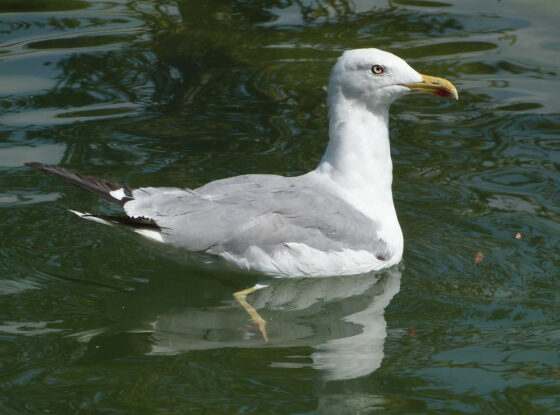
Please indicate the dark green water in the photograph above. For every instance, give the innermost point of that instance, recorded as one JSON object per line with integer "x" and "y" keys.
{"x": 96, "y": 320}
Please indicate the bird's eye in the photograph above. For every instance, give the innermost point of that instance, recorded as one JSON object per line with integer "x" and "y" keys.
{"x": 377, "y": 69}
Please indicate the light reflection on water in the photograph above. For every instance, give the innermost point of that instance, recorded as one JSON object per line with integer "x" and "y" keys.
{"x": 164, "y": 93}
{"x": 342, "y": 318}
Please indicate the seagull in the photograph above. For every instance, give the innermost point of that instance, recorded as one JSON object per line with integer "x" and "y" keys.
{"x": 338, "y": 219}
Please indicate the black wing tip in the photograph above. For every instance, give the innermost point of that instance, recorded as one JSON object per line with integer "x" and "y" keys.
{"x": 101, "y": 187}
{"x": 139, "y": 222}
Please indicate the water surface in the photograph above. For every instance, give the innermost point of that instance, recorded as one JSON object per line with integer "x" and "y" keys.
{"x": 96, "y": 320}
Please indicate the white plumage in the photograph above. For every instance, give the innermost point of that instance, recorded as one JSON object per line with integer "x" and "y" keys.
{"x": 337, "y": 219}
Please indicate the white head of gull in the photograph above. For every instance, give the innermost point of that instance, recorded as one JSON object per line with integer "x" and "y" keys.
{"x": 336, "y": 220}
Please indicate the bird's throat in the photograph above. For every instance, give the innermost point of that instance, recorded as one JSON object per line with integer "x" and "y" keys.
{"x": 357, "y": 167}
{"x": 358, "y": 154}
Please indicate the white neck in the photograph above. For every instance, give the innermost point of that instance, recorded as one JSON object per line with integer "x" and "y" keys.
{"x": 357, "y": 162}
{"x": 358, "y": 155}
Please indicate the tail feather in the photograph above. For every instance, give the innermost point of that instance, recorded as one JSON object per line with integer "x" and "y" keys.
{"x": 137, "y": 223}
{"x": 111, "y": 191}
{"x": 143, "y": 226}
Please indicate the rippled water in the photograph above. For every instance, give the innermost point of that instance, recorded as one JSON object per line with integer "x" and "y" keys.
{"x": 96, "y": 320}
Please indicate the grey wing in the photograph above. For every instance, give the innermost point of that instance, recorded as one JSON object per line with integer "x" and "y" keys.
{"x": 256, "y": 210}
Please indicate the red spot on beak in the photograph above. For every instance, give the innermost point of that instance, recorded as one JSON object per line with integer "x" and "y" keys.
{"x": 440, "y": 92}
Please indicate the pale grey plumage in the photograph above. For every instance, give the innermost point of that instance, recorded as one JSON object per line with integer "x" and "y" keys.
{"x": 338, "y": 219}
{"x": 267, "y": 211}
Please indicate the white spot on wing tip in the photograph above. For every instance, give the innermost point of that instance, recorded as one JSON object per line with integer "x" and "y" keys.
{"x": 118, "y": 194}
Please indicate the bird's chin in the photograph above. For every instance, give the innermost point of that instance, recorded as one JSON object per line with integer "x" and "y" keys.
{"x": 390, "y": 93}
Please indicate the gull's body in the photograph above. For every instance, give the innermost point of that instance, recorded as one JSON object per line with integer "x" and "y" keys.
{"x": 337, "y": 219}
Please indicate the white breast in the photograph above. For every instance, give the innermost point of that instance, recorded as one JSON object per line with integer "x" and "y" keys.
{"x": 300, "y": 260}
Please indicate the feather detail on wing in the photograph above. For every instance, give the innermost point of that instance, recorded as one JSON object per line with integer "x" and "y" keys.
{"x": 271, "y": 212}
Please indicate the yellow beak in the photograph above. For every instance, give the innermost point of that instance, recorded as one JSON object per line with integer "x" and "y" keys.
{"x": 436, "y": 86}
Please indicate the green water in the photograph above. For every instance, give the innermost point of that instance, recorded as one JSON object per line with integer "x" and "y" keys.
{"x": 94, "y": 320}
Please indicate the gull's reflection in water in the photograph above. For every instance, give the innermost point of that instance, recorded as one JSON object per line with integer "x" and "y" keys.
{"x": 342, "y": 318}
